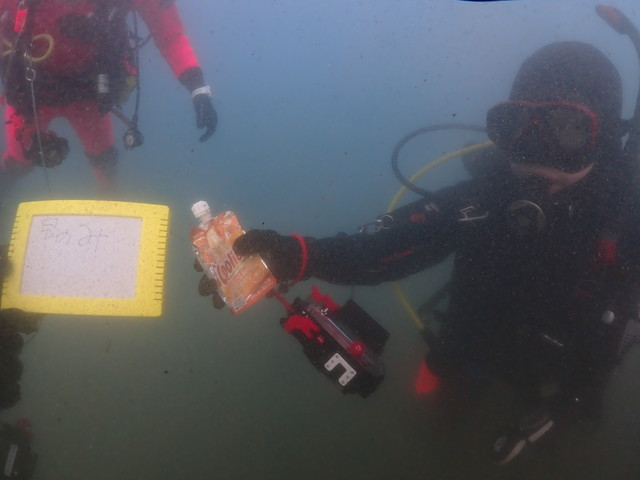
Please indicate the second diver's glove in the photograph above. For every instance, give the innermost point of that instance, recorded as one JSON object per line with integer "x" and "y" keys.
{"x": 206, "y": 116}
{"x": 48, "y": 150}
{"x": 207, "y": 286}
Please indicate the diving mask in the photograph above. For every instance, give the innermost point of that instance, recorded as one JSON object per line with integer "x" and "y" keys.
{"x": 557, "y": 134}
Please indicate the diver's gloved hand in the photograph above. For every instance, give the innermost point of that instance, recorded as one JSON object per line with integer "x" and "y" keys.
{"x": 48, "y": 151}
{"x": 282, "y": 254}
{"x": 10, "y": 366}
{"x": 207, "y": 286}
{"x": 13, "y": 322}
{"x": 206, "y": 116}
{"x": 13, "y": 319}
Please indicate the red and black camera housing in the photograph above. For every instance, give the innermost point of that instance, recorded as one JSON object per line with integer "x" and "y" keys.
{"x": 344, "y": 343}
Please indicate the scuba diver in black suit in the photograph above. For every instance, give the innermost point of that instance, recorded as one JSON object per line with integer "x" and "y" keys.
{"x": 545, "y": 289}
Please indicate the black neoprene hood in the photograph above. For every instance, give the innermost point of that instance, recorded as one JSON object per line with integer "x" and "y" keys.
{"x": 573, "y": 72}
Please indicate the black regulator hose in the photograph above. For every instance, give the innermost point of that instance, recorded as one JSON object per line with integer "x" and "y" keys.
{"x": 621, "y": 24}
{"x": 422, "y": 131}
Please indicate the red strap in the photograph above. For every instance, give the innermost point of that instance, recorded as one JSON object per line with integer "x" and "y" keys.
{"x": 302, "y": 323}
{"x": 324, "y": 300}
{"x": 21, "y": 20}
{"x": 304, "y": 260}
{"x": 287, "y": 306}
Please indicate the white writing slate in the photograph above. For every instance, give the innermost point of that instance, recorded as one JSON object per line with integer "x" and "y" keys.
{"x": 82, "y": 256}
{"x": 87, "y": 257}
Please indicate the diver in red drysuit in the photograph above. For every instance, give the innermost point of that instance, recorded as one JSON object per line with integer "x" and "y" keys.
{"x": 78, "y": 56}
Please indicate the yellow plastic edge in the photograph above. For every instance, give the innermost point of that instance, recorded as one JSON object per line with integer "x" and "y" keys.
{"x": 151, "y": 261}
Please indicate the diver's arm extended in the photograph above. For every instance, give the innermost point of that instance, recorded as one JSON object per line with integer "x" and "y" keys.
{"x": 165, "y": 25}
{"x": 412, "y": 238}
{"x": 369, "y": 259}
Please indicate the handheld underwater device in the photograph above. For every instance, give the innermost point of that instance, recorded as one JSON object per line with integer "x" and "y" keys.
{"x": 132, "y": 138}
{"x": 17, "y": 459}
{"x": 344, "y": 343}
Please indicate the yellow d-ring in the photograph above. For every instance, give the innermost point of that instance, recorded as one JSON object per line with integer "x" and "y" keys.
{"x": 47, "y": 53}
{"x": 42, "y": 36}
{"x": 9, "y": 49}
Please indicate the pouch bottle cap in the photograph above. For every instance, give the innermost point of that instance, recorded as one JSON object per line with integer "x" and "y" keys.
{"x": 201, "y": 209}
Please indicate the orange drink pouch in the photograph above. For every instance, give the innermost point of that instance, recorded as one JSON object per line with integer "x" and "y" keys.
{"x": 241, "y": 281}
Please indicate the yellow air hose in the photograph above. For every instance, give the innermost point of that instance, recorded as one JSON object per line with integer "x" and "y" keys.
{"x": 402, "y": 298}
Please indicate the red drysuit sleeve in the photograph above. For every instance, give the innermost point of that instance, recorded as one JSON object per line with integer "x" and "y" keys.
{"x": 167, "y": 31}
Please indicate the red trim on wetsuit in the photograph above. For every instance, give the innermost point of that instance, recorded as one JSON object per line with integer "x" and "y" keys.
{"x": 606, "y": 254}
{"x": 304, "y": 257}
{"x": 402, "y": 254}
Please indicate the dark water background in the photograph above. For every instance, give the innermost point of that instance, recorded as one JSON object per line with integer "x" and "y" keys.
{"x": 312, "y": 97}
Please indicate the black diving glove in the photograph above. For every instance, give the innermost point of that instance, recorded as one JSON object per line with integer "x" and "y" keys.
{"x": 282, "y": 254}
{"x": 207, "y": 286}
{"x": 13, "y": 322}
{"x": 12, "y": 318}
{"x": 206, "y": 115}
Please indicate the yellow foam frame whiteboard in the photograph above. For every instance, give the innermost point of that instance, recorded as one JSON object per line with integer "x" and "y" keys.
{"x": 87, "y": 257}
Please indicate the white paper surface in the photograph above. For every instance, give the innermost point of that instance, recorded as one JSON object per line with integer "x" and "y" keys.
{"x": 82, "y": 256}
